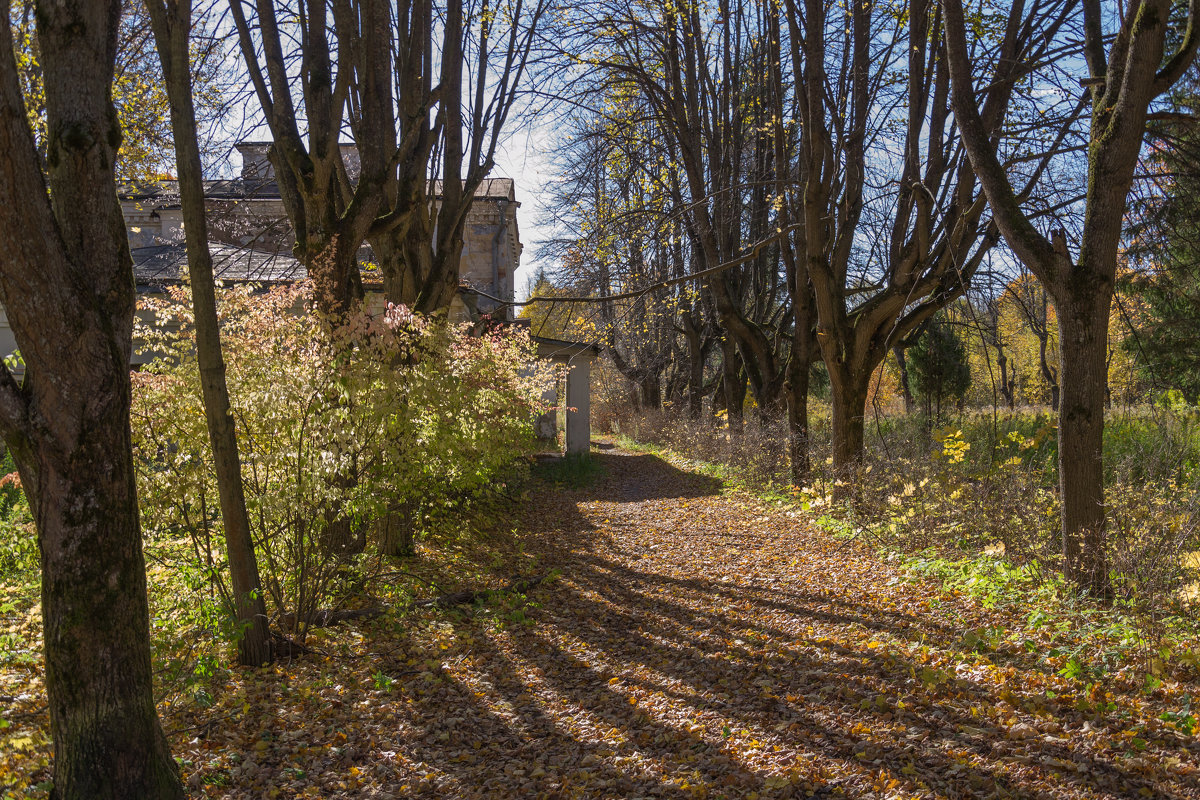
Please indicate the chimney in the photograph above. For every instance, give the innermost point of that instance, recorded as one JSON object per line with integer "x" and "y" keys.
{"x": 256, "y": 167}
{"x": 258, "y": 170}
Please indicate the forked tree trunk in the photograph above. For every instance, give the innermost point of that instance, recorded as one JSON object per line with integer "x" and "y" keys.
{"x": 172, "y": 25}
{"x": 1006, "y": 387}
{"x": 1083, "y": 346}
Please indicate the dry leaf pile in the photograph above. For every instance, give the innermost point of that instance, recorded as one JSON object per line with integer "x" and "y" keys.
{"x": 693, "y": 644}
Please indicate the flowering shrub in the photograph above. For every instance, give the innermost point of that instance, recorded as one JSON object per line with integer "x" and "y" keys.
{"x": 344, "y": 431}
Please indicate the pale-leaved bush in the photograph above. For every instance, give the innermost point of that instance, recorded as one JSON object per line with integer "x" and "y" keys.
{"x": 340, "y": 428}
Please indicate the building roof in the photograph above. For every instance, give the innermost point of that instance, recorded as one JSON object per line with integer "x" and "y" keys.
{"x": 488, "y": 189}
{"x": 161, "y": 264}
{"x": 166, "y": 192}
{"x": 167, "y": 263}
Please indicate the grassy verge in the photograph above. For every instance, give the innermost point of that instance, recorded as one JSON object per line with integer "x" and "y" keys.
{"x": 573, "y": 470}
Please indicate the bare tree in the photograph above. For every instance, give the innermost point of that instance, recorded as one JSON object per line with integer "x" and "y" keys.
{"x": 66, "y": 284}
{"x": 423, "y": 146}
{"x": 486, "y": 48}
{"x": 704, "y": 80}
{"x": 330, "y": 209}
{"x": 172, "y": 25}
{"x": 1130, "y": 68}
{"x": 882, "y": 264}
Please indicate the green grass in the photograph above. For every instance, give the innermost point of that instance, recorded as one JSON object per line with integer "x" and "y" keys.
{"x": 574, "y": 470}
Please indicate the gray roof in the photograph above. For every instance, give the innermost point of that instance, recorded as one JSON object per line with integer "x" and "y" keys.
{"x": 488, "y": 188}
{"x": 241, "y": 188}
{"x": 168, "y": 190}
{"x": 167, "y": 263}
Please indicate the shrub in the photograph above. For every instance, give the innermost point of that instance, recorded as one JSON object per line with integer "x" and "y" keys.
{"x": 18, "y": 539}
{"x": 344, "y": 429}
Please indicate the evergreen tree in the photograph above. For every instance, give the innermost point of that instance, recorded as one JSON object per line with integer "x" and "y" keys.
{"x": 1167, "y": 244}
{"x": 938, "y": 367}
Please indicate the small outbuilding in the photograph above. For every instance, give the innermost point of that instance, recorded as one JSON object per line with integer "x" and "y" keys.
{"x": 578, "y": 358}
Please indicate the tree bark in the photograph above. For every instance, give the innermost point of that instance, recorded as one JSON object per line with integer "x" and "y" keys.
{"x": 905, "y": 389}
{"x": 848, "y": 396}
{"x": 796, "y": 393}
{"x": 695, "y": 351}
{"x": 172, "y": 24}
{"x": 107, "y": 739}
{"x": 66, "y": 284}
{"x": 1083, "y": 339}
{"x": 651, "y": 392}
{"x": 733, "y": 381}
{"x": 1006, "y": 387}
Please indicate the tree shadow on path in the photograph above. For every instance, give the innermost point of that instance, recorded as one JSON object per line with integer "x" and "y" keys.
{"x": 653, "y": 667}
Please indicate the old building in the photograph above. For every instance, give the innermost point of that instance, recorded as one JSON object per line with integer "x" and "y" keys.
{"x": 251, "y": 242}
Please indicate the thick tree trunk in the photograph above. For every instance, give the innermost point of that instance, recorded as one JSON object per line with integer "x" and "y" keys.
{"x": 848, "y": 395}
{"x": 413, "y": 275}
{"x": 332, "y": 266}
{"x": 107, "y": 739}
{"x": 66, "y": 284}
{"x": 171, "y": 31}
{"x": 651, "y": 393}
{"x": 1083, "y": 345}
{"x": 396, "y": 532}
{"x": 401, "y": 281}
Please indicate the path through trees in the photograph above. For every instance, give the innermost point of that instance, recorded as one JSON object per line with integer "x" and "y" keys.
{"x": 693, "y": 644}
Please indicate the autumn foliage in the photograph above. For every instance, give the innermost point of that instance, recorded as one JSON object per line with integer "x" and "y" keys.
{"x": 365, "y": 425}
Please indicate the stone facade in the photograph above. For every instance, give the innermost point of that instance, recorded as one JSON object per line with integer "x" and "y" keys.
{"x": 251, "y": 241}
{"x": 247, "y": 212}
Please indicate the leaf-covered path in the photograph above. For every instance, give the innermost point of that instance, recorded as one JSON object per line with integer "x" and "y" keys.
{"x": 693, "y": 644}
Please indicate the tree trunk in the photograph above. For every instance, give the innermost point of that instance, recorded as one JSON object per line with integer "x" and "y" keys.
{"x": 1083, "y": 342}
{"x": 333, "y": 269}
{"x": 171, "y": 29}
{"x": 1006, "y": 387}
{"x": 848, "y": 394}
{"x": 401, "y": 280}
{"x": 67, "y": 286}
{"x": 107, "y": 739}
{"x": 905, "y": 389}
{"x": 733, "y": 380}
{"x": 796, "y": 393}
{"x": 695, "y": 386}
{"x": 651, "y": 393}
{"x": 396, "y": 532}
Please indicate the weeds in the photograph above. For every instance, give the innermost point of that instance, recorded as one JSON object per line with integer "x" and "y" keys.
{"x": 974, "y": 505}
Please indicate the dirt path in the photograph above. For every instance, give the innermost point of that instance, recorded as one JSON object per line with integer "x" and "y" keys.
{"x": 704, "y": 645}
